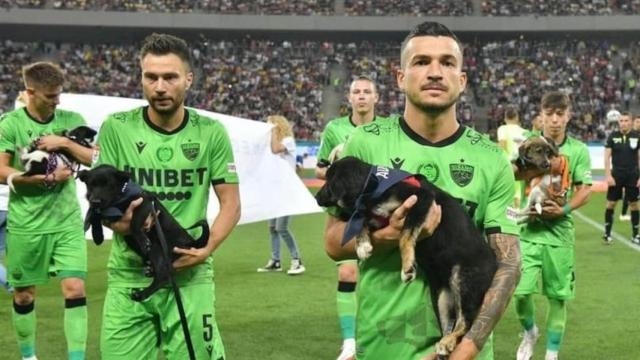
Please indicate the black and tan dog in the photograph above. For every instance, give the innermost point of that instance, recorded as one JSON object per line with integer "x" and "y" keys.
{"x": 536, "y": 153}
{"x": 109, "y": 192}
{"x": 457, "y": 261}
{"x": 40, "y": 162}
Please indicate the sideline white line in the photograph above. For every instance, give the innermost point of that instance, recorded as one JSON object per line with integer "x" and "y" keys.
{"x": 600, "y": 227}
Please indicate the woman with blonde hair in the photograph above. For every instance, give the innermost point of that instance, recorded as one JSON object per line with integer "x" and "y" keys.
{"x": 284, "y": 145}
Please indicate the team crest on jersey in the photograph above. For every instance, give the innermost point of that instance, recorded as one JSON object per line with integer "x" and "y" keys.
{"x": 462, "y": 174}
{"x": 633, "y": 142}
{"x": 190, "y": 150}
{"x": 430, "y": 171}
{"x": 164, "y": 153}
{"x": 372, "y": 128}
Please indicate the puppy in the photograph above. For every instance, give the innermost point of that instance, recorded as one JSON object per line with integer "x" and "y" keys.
{"x": 536, "y": 153}
{"x": 40, "y": 162}
{"x": 553, "y": 186}
{"x": 109, "y": 192}
{"x": 458, "y": 263}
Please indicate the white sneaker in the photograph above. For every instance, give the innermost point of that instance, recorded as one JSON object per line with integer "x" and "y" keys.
{"x": 348, "y": 350}
{"x": 529, "y": 339}
{"x": 296, "y": 267}
{"x": 272, "y": 265}
{"x": 551, "y": 355}
{"x": 625, "y": 217}
{"x": 636, "y": 240}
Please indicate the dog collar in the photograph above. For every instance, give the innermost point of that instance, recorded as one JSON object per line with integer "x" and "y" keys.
{"x": 379, "y": 180}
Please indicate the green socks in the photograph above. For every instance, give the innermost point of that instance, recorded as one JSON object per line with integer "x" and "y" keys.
{"x": 75, "y": 327}
{"x": 526, "y": 311}
{"x": 556, "y": 323}
{"x": 346, "y": 299}
{"x": 24, "y": 323}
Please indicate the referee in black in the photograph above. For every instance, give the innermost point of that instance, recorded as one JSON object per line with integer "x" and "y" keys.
{"x": 622, "y": 172}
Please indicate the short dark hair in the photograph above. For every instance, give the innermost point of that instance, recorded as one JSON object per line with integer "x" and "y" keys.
{"x": 429, "y": 28}
{"x": 364, "y": 78}
{"x": 626, "y": 113}
{"x": 164, "y": 44}
{"x": 556, "y": 100}
{"x": 511, "y": 113}
{"x": 42, "y": 73}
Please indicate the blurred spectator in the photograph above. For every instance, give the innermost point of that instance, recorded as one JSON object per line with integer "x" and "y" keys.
{"x": 559, "y": 8}
{"x": 411, "y": 7}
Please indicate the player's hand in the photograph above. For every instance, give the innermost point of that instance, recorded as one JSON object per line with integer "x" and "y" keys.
{"x": 638, "y": 183}
{"x": 612, "y": 182}
{"x": 551, "y": 210}
{"x": 190, "y": 257}
{"x": 52, "y": 142}
{"x": 465, "y": 350}
{"x": 390, "y": 234}
{"x": 123, "y": 225}
{"x": 59, "y": 175}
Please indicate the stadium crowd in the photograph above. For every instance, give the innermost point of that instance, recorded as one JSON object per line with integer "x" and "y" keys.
{"x": 411, "y": 8}
{"x": 250, "y": 78}
{"x": 559, "y": 8}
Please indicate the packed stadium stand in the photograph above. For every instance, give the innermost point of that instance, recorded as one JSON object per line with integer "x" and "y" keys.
{"x": 303, "y": 73}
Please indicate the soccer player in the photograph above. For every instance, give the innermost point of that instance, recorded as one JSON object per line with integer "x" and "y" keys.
{"x": 45, "y": 227}
{"x": 547, "y": 243}
{"x": 177, "y": 154}
{"x": 396, "y": 320}
{"x": 622, "y": 173}
{"x": 510, "y": 136}
{"x": 363, "y": 96}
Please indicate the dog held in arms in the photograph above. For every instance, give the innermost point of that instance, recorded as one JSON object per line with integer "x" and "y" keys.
{"x": 109, "y": 192}
{"x": 40, "y": 162}
{"x": 542, "y": 154}
{"x": 457, "y": 261}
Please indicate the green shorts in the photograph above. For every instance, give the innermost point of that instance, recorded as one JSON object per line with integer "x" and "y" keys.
{"x": 557, "y": 265}
{"x": 135, "y": 330}
{"x": 32, "y": 259}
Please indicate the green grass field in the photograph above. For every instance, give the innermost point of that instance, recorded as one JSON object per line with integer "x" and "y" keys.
{"x": 278, "y": 317}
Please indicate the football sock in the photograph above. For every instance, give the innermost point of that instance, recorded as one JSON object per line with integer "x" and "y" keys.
{"x": 24, "y": 323}
{"x": 346, "y": 300}
{"x": 608, "y": 221}
{"x": 625, "y": 207}
{"x": 556, "y": 322}
{"x": 525, "y": 310}
{"x": 635, "y": 216}
{"x": 75, "y": 327}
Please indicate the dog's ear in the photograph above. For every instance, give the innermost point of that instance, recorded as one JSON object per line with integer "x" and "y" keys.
{"x": 553, "y": 148}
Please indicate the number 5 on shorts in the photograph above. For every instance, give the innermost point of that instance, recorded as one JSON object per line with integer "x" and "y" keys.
{"x": 207, "y": 326}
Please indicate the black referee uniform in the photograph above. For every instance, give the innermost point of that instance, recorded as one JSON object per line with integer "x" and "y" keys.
{"x": 625, "y": 172}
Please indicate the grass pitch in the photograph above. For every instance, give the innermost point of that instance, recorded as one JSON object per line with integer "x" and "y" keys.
{"x": 280, "y": 317}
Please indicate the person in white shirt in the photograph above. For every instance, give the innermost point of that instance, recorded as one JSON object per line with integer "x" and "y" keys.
{"x": 284, "y": 145}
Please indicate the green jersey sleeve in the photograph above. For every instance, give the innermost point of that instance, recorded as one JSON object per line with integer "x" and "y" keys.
{"x": 582, "y": 173}
{"x": 106, "y": 144}
{"x": 498, "y": 218}
{"x": 7, "y": 135}
{"x": 327, "y": 143}
{"x": 222, "y": 165}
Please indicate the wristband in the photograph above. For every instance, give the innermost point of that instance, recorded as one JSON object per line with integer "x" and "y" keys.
{"x": 566, "y": 209}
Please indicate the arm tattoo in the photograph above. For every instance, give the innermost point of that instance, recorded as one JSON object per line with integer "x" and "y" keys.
{"x": 496, "y": 299}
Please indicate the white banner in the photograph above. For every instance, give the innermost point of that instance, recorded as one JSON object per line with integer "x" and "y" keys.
{"x": 269, "y": 187}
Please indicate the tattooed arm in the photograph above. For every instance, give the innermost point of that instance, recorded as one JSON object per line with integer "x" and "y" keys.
{"x": 507, "y": 249}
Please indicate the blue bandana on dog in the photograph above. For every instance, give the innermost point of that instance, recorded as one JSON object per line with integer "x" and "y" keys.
{"x": 130, "y": 191}
{"x": 380, "y": 179}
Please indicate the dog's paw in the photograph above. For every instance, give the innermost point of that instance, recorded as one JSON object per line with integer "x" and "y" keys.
{"x": 364, "y": 250}
{"x": 408, "y": 275}
{"x": 538, "y": 208}
{"x": 445, "y": 346}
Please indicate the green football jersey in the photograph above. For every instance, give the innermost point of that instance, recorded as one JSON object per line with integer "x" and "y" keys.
{"x": 336, "y": 133}
{"x": 34, "y": 209}
{"x": 178, "y": 166}
{"x": 561, "y": 231}
{"x": 396, "y": 320}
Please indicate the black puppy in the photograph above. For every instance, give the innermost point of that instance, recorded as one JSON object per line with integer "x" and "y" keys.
{"x": 40, "y": 162}
{"x": 109, "y": 192}
{"x": 458, "y": 263}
